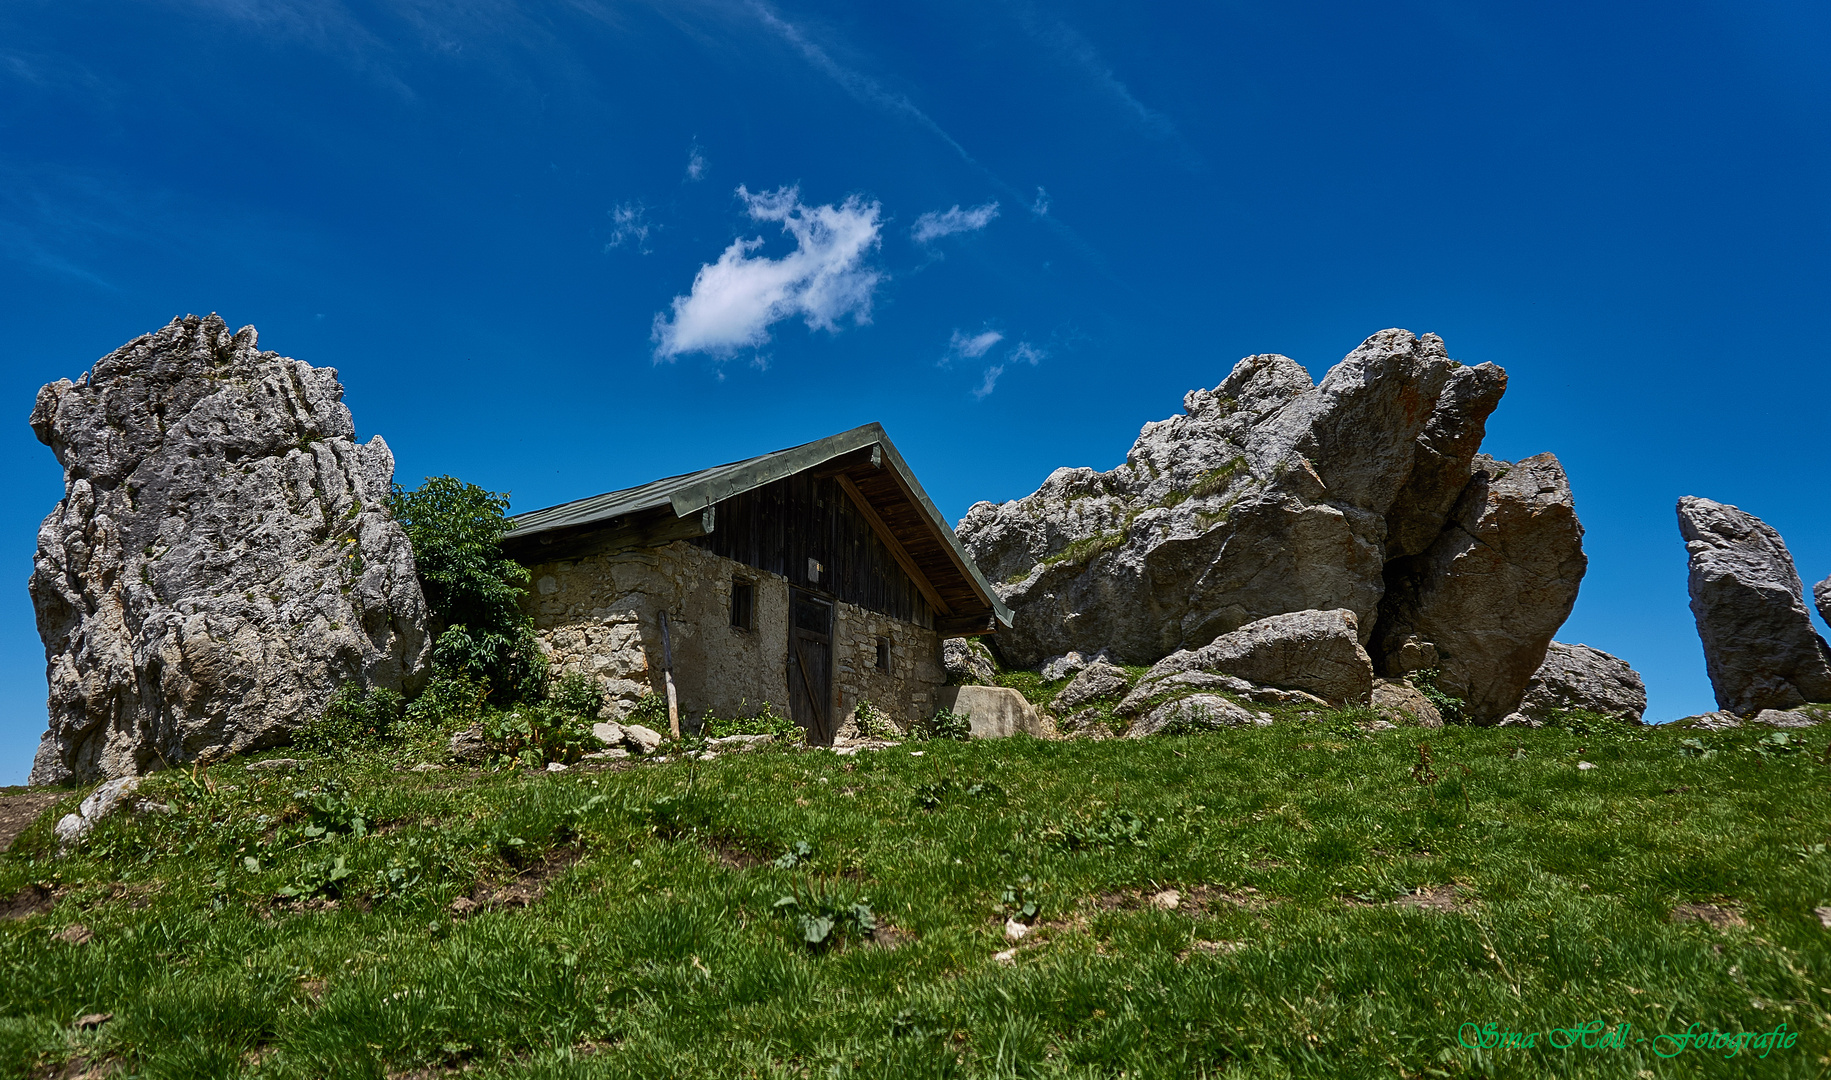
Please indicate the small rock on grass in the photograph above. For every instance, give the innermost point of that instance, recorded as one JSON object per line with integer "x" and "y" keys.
{"x": 641, "y": 740}
{"x": 1014, "y": 930}
{"x": 76, "y": 934}
{"x": 1009, "y": 956}
{"x": 1824, "y": 916}
{"x": 1585, "y": 766}
{"x": 1167, "y": 900}
{"x": 93, "y": 1020}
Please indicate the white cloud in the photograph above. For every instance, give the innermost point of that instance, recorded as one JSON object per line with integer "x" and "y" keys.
{"x": 1027, "y": 353}
{"x": 696, "y": 162}
{"x": 1041, "y": 206}
{"x": 734, "y": 301}
{"x": 973, "y": 346}
{"x": 938, "y": 223}
{"x": 991, "y": 379}
{"x": 629, "y": 225}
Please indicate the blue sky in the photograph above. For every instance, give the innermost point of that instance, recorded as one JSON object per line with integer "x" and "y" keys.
{"x": 559, "y": 249}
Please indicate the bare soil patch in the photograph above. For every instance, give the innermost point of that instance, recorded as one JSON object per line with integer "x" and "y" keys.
{"x": 1196, "y": 900}
{"x": 1723, "y": 918}
{"x": 521, "y": 890}
{"x": 17, "y": 812}
{"x": 27, "y": 902}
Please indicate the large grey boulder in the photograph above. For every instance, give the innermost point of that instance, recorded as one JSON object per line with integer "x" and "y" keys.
{"x": 1579, "y": 677}
{"x": 1759, "y": 646}
{"x": 1493, "y": 587}
{"x": 1273, "y": 495}
{"x": 223, "y": 558}
{"x": 1315, "y": 653}
{"x": 967, "y": 662}
{"x": 1821, "y": 596}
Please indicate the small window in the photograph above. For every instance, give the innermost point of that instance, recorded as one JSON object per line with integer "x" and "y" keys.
{"x": 883, "y": 654}
{"x": 743, "y": 603}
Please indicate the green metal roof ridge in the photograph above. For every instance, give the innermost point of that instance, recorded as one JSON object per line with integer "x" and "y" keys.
{"x": 694, "y": 491}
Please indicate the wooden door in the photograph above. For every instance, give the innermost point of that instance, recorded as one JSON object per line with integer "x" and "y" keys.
{"x": 810, "y": 666}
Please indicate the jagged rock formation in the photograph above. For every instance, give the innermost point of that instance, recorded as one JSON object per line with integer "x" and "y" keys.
{"x": 1492, "y": 588}
{"x": 223, "y": 558}
{"x": 1759, "y": 646}
{"x": 967, "y": 662}
{"x": 1579, "y": 677}
{"x": 1274, "y": 495}
{"x": 1821, "y": 597}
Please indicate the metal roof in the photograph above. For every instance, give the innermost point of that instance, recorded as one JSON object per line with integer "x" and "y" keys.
{"x": 692, "y": 492}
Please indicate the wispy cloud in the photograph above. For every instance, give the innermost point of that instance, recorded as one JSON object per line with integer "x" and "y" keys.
{"x": 735, "y": 301}
{"x": 861, "y": 86}
{"x": 969, "y": 346}
{"x": 1040, "y": 207}
{"x": 630, "y": 225}
{"x": 696, "y": 162}
{"x": 1023, "y": 353}
{"x": 1074, "y": 49}
{"x": 935, "y": 224}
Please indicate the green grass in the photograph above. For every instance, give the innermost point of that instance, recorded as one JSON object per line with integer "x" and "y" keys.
{"x": 656, "y": 948}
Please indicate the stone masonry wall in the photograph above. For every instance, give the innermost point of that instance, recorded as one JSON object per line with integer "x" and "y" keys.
{"x": 600, "y": 616}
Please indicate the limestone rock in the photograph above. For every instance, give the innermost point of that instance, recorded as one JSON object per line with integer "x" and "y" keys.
{"x": 469, "y": 746}
{"x": 607, "y": 733}
{"x": 1821, "y": 597}
{"x": 1777, "y": 718}
{"x": 995, "y": 711}
{"x": 1492, "y": 589}
{"x": 1269, "y": 495}
{"x": 641, "y": 740}
{"x": 967, "y": 662}
{"x": 73, "y": 829}
{"x": 1096, "y": 681}
{"x": 1070, "y": 663}
{"x": 223, "y": 558}
{"x": 1400, "y": 702}
{"x": 1759, "y": 646}
{"x": 1579, "y": 677}
{"x": 1317, "y": 652}
{"x": 1194, "y": 713}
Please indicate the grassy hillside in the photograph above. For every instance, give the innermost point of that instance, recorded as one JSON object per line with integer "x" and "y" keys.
{"x": 1344, "y": 904}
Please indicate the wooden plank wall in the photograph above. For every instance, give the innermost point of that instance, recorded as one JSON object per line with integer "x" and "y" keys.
{"x": 777, "y": 527}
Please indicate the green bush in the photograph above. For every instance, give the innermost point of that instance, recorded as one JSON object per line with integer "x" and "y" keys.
{"x": 451, "y": 699}
{"x": 873, "y": 722}
{"x": 944, "y": 725}
{"x": 580, "y": 695}
{"x": 353, "y": 717}
{"x": 1426, "y": 682}
{"x": 534, "y": 734}
{"x": 473, "y": 589}
{"x": 765, "y": 721}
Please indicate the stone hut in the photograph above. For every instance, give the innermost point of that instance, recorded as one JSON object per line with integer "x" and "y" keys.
{"x": 810, "y": 578}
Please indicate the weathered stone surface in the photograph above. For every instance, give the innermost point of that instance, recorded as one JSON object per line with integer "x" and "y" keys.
{"x": 1098, "y": 680}
{"x": 73, "y": 829}
{"x": 223, "y": 558}
{"x": 1579, "y": 677}
{"x": 1193, "y": 713}
{"x": 1070, "y": 663}
{"x": 1759, "y": 646}
{"x": 1317, "y": 652}
{"x": 1821, "y": 597}
{"x": 641, "y": 740}
{"x": 1270, "y": 495}
{"x": 1400, "y": 702}
{"x": 1488, "y": 594}
{"x": 967, "y": 662}
{"x": 995, "y": 711}
{"x": 1777, "y": 718}
{"x": 607, "y": 733}
{"x": 469, "y": 746}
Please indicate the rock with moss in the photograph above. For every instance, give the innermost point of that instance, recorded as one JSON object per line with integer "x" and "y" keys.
{"x": 223, "y": 559}
{"x": 1579, "y": 677}
{"x": 1270, "y": 495}
{"x": 1096, "y": 682}
{"x": 968, "y": 662}
{"x": 1397, "y": 701}
{"x": 1197, "y": 712}
{"x": 1760, "y": 649}
{"x": 1314, "y": 653}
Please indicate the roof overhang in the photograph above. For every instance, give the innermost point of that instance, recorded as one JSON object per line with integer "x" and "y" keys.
{"x": 866, "y": 464}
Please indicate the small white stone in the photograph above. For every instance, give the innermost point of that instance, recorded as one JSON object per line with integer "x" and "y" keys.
{"x": 1167, "y": 900}
{"x": 1585, "y": 766}
{"x": 554, "y": 766}
{"x": 1009, "y": 956}
{"x": 1014, "y": 930}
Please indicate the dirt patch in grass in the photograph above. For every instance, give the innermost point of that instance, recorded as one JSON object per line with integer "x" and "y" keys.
{"x": 1431, "y": 898}
{"x": 734, "y": 854}
{"x": 79, "y": 1068}
{"x": 1196, "y": 900}
{"x": 27, "y": 902}
{"x": 1723, "y": 918}
{"x": 521, "y": 890}
{"x": 887, "y": 936}
{"x": 17, "y": 812}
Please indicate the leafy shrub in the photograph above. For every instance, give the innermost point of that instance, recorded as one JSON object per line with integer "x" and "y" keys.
{"x": 1111, "y": 828}
{"x": 944, "y": 725}
{"x": 1020, "y": 901}
{"x": 534, "y": 734}
{"x": 873, "y": 722}
{"x": 451, "y": 699}
{"x": 651, "y": 711}
{"x": 353, "y": 717}
{"x": 580, "y": 695}
{"x": 823, "y": 917}
{"x": 473, "y": 589}
{"x": 765, "y": 721}
{"x": 798, "y": 854}
{"x": 1426, "y": 682}
{"x": 930, "y": 796}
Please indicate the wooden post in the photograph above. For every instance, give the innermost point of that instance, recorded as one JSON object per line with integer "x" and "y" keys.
{"x": 667, "y": 673}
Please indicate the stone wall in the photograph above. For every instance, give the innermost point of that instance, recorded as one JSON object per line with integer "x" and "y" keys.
{"x": 601, "y": 616}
